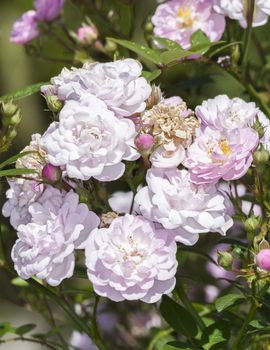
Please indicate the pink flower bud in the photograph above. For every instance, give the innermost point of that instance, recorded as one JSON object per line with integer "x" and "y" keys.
{"x": 263, "y": 259}
{"x": 87, "y": 34}
{"x": 51, "y": 173}
{"x": 144, "y": 141}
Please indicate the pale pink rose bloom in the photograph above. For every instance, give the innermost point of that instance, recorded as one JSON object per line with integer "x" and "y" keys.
{"x": 20, "y": 195}
{"x": 132, "y": 259}
{"x": 118, "y": 84}
{"x": 90, "y": 141}
{"x": 237, "y": 9}
{"x": 45, "y": 246}
{"x": 178, "y": 19}
{"x": 216, "y": 154}
{"x": 25, "y": 29}
{"x": 223, "y": 112}
{"x": 183, "y": 207}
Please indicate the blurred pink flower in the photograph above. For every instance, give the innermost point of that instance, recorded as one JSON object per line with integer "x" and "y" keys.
{"x": 178, "y": 19}
{"x": 25, "y": 29}
{"x": 87, "y": 34}
{"x": 48, "y": 10}
{"x": 237, "y": 9}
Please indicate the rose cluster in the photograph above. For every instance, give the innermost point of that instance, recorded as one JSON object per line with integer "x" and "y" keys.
{"x": 112, "y": 119}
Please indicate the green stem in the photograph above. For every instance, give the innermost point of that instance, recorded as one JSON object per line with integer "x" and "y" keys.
{"x": 81, "y": 326}
{"x": 29, "y": 340}
{"x": 187, "y": 303}
{"x": 159, "y": 336}
{"x": 248, "y": 33}
{"x": 95, "y": 329}
{"x": 252, "y": 311}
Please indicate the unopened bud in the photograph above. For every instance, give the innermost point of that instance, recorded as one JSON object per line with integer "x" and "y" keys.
{"x": 8, "y": 109}
{"x": 144, "y": 142}
{"x": 263, "y": 259}
{"x": 235, "y": 55}
{"x": 155, "y": 97}
{"x": 54, "y": 104}
{"x": 110, "y": 46}
{"x": 225, "y": 260}
{"x": 252, "y": 224}
{"x": 261, "y": 156}
{"x": 51, "y": 173}
{"x": 87, "y": 34}
{"x": 148, "y": 27}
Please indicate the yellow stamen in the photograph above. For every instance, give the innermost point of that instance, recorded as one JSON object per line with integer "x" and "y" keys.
{"x": 225, "y": 148}
{"x": 186, "y": 16}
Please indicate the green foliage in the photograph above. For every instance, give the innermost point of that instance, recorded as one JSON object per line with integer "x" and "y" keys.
{"x": 23, "y": 92}
{"x": 228, "y": 300}
{"x": 178, "y": 317}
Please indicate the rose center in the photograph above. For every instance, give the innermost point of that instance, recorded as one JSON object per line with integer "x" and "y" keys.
{"x": 186, "y": 16}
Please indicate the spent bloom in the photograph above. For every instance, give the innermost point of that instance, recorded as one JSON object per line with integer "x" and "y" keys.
{"x": 238, "y": 10}
{"x": 48, "y": 10}
{"x": 25, "y": 29}
{"x": 178, "y": 19}
{"x": 89, "y": 141}
{"x": 216, "y": 155}
{"x": 263, "y": 259}
{"x": 118, "y": 84}
{"x": 183, "y": 207}
{"x": 45, "y": 246}
{"x": 132, "y": 259}
{"x": 173, "y": 127}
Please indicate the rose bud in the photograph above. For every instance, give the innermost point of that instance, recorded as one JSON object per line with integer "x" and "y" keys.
{"x": 51, "y": 173}
{"x": 263, "y": 259}
{"x": 144, "y": 142}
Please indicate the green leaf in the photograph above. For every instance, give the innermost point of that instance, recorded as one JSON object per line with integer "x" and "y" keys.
{"x": 22, "y": 93}
{"x": 5, "y": 328}
{"x": 167, "y": 43}
{"x": 125, "y": 17}
{"x": 173, "y": 55}
{"x": 26, "y": 328}
{"x": 16, "y": 172}
{"x": 141, "y": 50}
{"x": 150, "y": 76}
{"x": 199, "y": 39}
{"x": 228, "y": 300}
{"x": 178, "y": 317}
{"x": 13, "y": 159}
{"x": 216, "y": 335}
{"x": 177, "y": 345}
{"x": 19, "y": 282}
